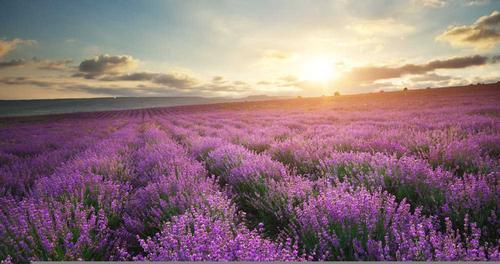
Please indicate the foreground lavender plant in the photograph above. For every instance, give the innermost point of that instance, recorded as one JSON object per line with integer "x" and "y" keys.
{"x": 211, "y": 234}
{"x": 346, "y": 223}
{"x": 33, "y": 230}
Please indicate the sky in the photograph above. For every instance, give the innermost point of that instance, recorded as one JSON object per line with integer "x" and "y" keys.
{"x": 74, "y": 49}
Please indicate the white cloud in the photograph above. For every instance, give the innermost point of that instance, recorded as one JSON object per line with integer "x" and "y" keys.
{"x": 381, "y": 28}
{"x": 107, "y": 64}
{"x": 482, "y": 34}
{"x": 6, "y": 46}
{"x": 430, "y": 3}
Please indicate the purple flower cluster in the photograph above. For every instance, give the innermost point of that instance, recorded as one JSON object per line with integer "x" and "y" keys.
{"x": 211, "y": 233}
{"x": 345, "y": 223}
{"x": 51, "y": 230}
{"x": 437, "y": 191}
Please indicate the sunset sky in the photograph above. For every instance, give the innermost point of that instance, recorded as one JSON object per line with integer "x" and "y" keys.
{"x": 67, "y": 49}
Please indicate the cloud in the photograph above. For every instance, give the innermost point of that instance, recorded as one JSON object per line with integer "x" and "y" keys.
{"x": 430, "y": 77}
{"x": 273, "y": 58}
{"x": 107, "y": 91}
{"x": 149, "y": 91}
{"x": 12, "y": 63}
{"x": 26, "y": 81}
{"x": 239, "y": 83}
{"x": 380, "y": 27}
{"x": 264, "y": 83}
{"x": 177, "y": 80}
{"x": 367, "y": 75}
{"x": 433, "y": 80}
{"x": 54, "y": 65}
{"x": 106, "y": 64}
{"x": 218, "y": 79}
{"x": 298, "y": 85}
{"x": 289, "y": 78}
{"x": 7, "y": 46}
{"x": 220, "y": 84}
{"x": 136, "y": 76}
{"x": 113, "y": 68}
{"x": 477, "y": 2}
{"x": 482, "y": 34}
{"x": 430, "y": 3}
{"x": 495, "y": 59}
{"x": 444, "y": 3}
{"x": 69, "y": 85}
{"x": 145, "y": 90}
{"x": 276, "y": 54}
{"x": 181, "y": 81}
{"x": 223, "y": 88}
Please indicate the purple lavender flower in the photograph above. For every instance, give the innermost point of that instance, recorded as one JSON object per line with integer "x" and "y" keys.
{"x": 202, "y": 235}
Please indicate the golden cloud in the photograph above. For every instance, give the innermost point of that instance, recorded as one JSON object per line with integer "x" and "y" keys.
{"x": 482, "y": 34}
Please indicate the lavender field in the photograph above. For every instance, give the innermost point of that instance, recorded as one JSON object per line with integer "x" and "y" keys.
{"x": 388, "y": 176}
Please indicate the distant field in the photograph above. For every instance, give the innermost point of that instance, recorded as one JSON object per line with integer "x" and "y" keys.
{"x": 385, "y": 176}
{"x": 12, "y": 108}
{"x": 61, "y": 106}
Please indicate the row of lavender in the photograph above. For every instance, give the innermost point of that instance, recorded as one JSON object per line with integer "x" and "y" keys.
{"x": 284, "y": 168}
{"x": 306, "y": 183}
{"x": 127, "y": 185}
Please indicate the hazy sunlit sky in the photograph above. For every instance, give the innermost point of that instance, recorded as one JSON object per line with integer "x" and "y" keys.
{"x": 61, "y": 49}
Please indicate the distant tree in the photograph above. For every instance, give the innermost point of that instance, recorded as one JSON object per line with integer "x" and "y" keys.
{"x": 428, "y": 88}
{"x": 405, "y": 89}
{"x": 337, "y": 93}
{"x": 299, "y": 97}
{"x": 381, "y": 91}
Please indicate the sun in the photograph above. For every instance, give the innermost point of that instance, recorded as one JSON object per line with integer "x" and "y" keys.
{"x": 319, "y": 69}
